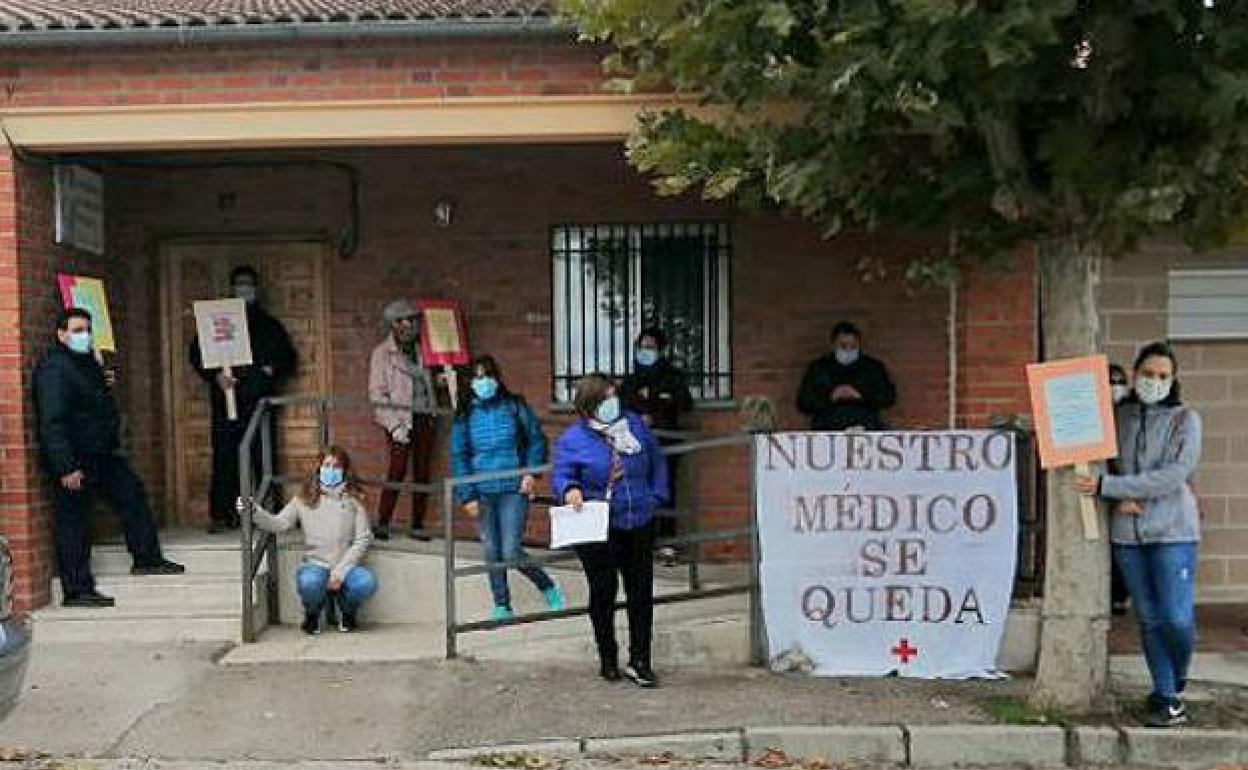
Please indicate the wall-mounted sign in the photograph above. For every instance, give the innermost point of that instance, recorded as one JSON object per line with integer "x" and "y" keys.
{"x": 80, "y": 208}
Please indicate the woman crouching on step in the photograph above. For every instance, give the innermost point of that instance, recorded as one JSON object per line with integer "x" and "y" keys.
{"x": 330, "y": 510}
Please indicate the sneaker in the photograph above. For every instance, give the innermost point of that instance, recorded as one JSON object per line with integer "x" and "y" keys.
{"x": 381, "y": 532}
{"x": 162, "y": 567}
{"x": 500, "y": 613}
{"x": 609, "y": 672}
{"x": 90, "y": 598}
{"x": 311, "y": 623}
{"x": 419, "y": 534}
{"x": 641, "y": 675}
{"x": 1170, "y": 714}
{"x": 348, "y": 622}
{"x": 667, "y": 556}
{"x": 554, "y": 598}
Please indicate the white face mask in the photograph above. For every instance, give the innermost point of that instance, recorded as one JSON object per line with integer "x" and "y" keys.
{"x": 1151, "y": 390}
{"x": 1120, "y": 392}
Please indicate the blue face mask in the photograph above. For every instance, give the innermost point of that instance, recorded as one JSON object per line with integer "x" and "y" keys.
{"x": 846, "y": 356}
{"x": 608, "y": 411}
{"x": 485, "y": 388}
{"x": 332, "y": 476}
{"x": 647, "y": 357}
{"x": 79, "y": 342}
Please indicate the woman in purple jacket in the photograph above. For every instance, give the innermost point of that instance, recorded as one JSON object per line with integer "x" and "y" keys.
{"x": 611, "y": 455}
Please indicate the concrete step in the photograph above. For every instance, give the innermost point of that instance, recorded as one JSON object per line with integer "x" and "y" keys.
{"x": 198, "y": 558}
{"x": 55, "y": 624}
{"x": 165, "y": 594}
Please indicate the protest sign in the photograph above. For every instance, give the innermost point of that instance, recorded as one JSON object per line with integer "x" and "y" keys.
{"x": 87, "y": 293}
{"x": 1073, "y": 409}
{"x": 443, "y": 339}
{"x": 224, "y": 340}
{"x": 887, "y": 552}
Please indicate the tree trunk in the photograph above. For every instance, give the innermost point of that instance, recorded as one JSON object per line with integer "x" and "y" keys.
{"x": 1074, "y": 632}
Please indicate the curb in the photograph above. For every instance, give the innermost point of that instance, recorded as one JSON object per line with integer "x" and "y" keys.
{"x": 913, "y": 746}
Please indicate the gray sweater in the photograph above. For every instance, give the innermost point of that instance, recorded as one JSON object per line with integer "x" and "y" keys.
{"x": 336, "y": 532}
{"x": 1158, "y": 450}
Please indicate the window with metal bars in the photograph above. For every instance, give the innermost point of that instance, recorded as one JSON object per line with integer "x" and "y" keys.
{"x": 610, "y": 281}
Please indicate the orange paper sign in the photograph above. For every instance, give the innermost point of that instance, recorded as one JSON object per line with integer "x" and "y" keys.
{"x": 1073, "y": 409}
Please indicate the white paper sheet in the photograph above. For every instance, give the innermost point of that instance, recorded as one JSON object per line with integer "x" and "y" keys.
{"x": 569, "y": 526}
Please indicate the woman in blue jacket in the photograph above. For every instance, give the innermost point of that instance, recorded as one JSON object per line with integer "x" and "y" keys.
{"x": 611, "y": 455}
{"x": 1155, "y": 526}
{"x": 495, "y": 430}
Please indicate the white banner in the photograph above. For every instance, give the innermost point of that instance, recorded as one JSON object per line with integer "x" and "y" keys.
{"x": 887, "y": 552}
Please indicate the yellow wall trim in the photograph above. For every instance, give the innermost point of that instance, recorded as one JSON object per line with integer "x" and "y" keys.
{"x": 598, "y": 118}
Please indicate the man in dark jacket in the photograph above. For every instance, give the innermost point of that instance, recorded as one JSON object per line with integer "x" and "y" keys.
{"x": 273, "y": 360}
{"x": 78, "y": 442}
{"x": 846, "y": 388}
{"x": 659, "y": 392}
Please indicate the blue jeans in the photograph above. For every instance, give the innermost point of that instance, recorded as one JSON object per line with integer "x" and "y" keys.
{"x": 1161, "y": 579}
{"x": 312, "y": 581}
{"x": 501, "y": 525}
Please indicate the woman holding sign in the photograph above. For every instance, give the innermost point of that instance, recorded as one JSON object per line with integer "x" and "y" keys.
{"x": 495, "y": 430}
{"x": 611, "y": 455}
{"x": 1156, "y": 522}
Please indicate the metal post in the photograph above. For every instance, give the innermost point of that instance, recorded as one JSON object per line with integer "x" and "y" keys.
{"x": 270, "y": 541}
{"x": 246, "y": 489}
{"x": 758, "y": 640}
{"x": 448, "y": 533}
{"x": 322, "y": 424}
{"x": 695, "y": 520}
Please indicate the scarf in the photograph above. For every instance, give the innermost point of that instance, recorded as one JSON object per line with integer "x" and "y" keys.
{"x": 618, "y": 435}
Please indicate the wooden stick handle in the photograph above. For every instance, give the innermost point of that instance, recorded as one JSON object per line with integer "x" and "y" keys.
{"x": 231, "y": 400}
{"x": 1087, "y": 508}
{"x": 452, "y": 384}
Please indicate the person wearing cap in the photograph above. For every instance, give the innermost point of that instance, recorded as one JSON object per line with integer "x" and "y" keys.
{"x": 404, "y": 401}
{"x": 273, "y": 361}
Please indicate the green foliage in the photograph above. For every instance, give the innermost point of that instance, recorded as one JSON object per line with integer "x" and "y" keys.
{"x": 982, "y": 122}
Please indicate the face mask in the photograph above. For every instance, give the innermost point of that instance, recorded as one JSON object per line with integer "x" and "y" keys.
{"x": 1120, "y": 392}
{"x": 608, "y": 411}
{"x": 332, "y": 476}
{"x": 647, "y": 357}
{"x": 79, "y": 342}
{"x": 1152, "y": 390}
{"x": 485, "y": 388}
{"x": 247, "y": 294}
{"x": 846, "y": 356}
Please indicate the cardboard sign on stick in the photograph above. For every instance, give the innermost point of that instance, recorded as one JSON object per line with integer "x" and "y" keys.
{"x": 87, "y": 293}
{"x": 224, "y": 340}
{"x": 1074, "y": 416}
{"x": 443, "y": 339}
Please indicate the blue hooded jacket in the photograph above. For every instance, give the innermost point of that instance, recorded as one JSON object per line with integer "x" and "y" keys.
{"x": 583, "y": 461}
{"x": 501, "y": 434}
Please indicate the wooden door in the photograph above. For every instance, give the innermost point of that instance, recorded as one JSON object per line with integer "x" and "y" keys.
{"x": 293, "y": 290}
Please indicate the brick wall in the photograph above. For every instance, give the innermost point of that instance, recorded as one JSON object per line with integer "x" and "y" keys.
{"x": 356, "y": 69}
{"x": 1214, "y": 376}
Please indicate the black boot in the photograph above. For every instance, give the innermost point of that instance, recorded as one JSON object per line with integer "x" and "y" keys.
{"x": 348, "y": 621}
{"x": 311, "y": 622}
{"x": 639, "y": 673}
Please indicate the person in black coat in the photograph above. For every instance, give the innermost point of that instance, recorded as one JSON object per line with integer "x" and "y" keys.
{"x": 658, "y": 391}
{"x": 273, "y": 361}
{"x": 78, "y": 428}
{"x": 846, "y": 388}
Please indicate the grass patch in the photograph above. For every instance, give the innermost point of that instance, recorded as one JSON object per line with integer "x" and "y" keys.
{"x": 1016, "y": 712}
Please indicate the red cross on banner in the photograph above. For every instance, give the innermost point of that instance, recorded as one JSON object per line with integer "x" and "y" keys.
{"x": 904, "y": 651}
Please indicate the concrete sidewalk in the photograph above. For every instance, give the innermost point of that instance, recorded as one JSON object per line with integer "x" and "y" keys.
{"x": 177, "y": 703}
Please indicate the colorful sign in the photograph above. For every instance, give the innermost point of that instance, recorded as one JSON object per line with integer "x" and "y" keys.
{"x": 887, "y": 553}
{"x": 88, "y": 294}
{"x": 443, "y": 338}
{"x": 224, "y": 340}
{"x": 1073, "y": 409}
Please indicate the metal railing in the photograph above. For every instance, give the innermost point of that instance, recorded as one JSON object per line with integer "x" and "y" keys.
{"x": 260, "y": 547}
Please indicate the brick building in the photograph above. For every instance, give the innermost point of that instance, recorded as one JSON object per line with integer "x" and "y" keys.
{"x": 316, "y": 140}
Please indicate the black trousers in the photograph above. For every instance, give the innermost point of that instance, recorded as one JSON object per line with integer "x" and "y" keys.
{"x": 627, "y": 554}
{"x": 111, "y": 478}
{"x": 671, "y": 526}
{"x": 226, "y": 437}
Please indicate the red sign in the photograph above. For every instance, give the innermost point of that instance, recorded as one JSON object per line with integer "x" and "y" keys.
{"x": 443, "y": 335}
